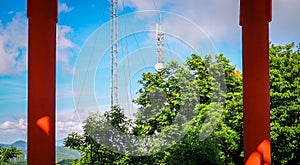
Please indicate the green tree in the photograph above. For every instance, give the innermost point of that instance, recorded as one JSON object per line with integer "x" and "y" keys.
{"x": 167, "y": 94}
{"x": 204, "y": 78}
{"x": 285, "y": 103}
{"x": 284, "y": 107}
{"x": 96, "y": 130}
{"x": 7, "y": 154}
{"x": 229, "y": 131}
{"x": 185, "y": 91}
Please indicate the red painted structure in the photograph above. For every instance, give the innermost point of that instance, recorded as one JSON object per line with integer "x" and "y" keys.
{"x": 42, "y": 15}
{"x": 254, "y": 18}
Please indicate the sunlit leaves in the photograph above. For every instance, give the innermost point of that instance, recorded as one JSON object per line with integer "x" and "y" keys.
{"x": 7, "y": 154}
{"x": 285, "y": 103}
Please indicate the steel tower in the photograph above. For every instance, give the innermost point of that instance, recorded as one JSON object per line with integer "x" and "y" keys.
{"x": 114, "y": 51}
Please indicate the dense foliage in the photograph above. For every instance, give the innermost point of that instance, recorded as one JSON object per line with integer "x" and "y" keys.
{"x": 8, "y": 154}
{"x": 285, "y": 103}
{"x": 179, "y": 100}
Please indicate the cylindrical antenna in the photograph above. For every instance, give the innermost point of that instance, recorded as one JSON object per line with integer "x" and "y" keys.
{"x": 160, "y": 44}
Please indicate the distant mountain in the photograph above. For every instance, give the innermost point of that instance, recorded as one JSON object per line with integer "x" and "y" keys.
{"x": 60, "y": 142}
{"x": 20, "y": 145}
{"x": 5, "y": 145}
{"x": 62, "y": 153}
{"x": 66, "y": 162}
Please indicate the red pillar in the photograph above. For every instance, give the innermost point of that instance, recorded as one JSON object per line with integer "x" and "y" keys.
{"x": 42, "y": 15}
{"x": 254, "y": 18}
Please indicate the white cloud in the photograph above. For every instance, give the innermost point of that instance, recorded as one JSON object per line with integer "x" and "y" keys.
{"x": 64, "y": 8}
{"x": 13, "y": 45}
{"x": 67, "y": 122}
{"x": 218, "y": 19}
{"x": 146, "y": 4}
{"x": 286, "y": 22}
{"x": 65, "y": 48}
{"x": 10, "y": 127}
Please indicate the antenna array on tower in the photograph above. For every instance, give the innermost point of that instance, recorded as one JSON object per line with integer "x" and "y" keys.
{"x": 160, "y": 45}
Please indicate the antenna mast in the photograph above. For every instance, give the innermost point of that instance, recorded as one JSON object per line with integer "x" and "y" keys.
{"x": 160, "y": 45}
{"x": 114, "y": 51}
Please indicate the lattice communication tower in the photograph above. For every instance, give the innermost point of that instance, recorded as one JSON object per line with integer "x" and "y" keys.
{"x": 114, "y": 51}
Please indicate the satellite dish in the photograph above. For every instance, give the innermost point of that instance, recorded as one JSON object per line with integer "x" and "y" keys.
{"x": 159, "y": 66}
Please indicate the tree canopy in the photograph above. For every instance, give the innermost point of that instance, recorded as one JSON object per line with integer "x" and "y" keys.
{"x": 7, "y": 154}
{"x": 285, "y": 103}
{"x": 195, "y": 113}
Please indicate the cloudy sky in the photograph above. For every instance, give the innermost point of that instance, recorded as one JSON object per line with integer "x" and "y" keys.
{"x": 217, "y": 20}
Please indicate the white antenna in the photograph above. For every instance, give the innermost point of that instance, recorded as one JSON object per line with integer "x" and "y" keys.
{"x": 156, "y": 34}
{"x": 160, "y": 44}
{"x": 114, "y": 51}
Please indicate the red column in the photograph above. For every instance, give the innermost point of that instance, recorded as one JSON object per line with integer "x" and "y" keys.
{"x": 42, "y": 15}
{"x": 254, "y": 18}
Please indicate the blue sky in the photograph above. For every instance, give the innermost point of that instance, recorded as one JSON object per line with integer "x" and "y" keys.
{"x": 78, "y": 22}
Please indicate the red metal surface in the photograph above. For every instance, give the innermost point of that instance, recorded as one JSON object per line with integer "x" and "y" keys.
{"x": 42, "y": 15}
{"x": 254, "y": 18}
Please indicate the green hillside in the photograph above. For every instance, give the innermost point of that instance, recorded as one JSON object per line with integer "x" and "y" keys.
{"x": 63, "y": 155}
